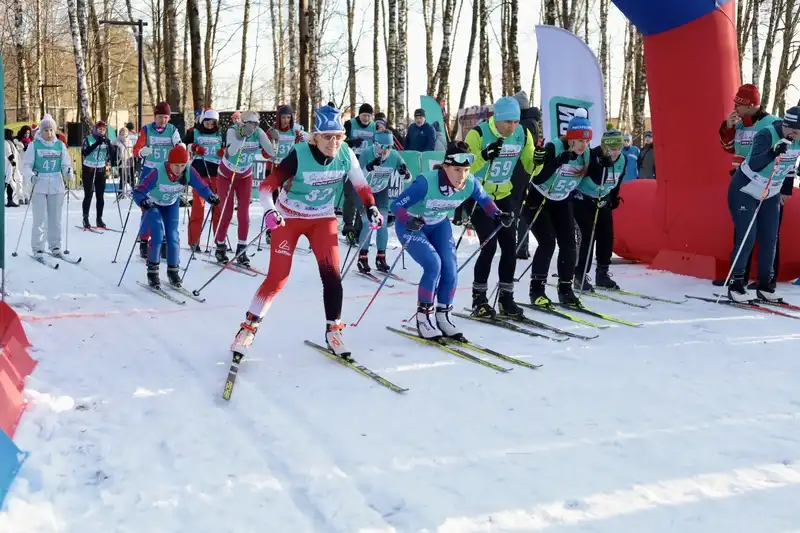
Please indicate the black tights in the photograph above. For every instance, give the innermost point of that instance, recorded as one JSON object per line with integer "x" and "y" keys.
{"x": 555, "y": 223}
{"x": 585, "y": 210}
{"x": 94, "y": 180}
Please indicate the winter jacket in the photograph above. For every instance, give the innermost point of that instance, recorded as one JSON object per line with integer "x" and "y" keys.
{"x": 647, "y": 162}
{"x": 420, "y": 138}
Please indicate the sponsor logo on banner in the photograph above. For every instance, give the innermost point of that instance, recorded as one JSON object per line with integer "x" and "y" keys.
{"x": 562, "y": 109}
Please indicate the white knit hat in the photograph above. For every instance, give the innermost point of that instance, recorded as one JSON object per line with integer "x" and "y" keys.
{"x": 250, "y": 116}
{"x": 47, "y": 122}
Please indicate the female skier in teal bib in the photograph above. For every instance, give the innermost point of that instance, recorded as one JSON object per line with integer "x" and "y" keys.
{"x": 380, "y": 162}
{"x": 423, "y": 212}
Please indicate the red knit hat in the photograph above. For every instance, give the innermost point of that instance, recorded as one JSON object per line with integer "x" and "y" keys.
{"x": 178, "y": 155}
{"x": 748, "y": 95}
{"x": 162, "y": 108}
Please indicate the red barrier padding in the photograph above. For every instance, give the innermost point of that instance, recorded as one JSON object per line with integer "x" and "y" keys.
{"x": 11, "y": 327}
{"x": 16, "y": 378}
{"x": 19, "y": 358}
{"x": 11, "y": 405}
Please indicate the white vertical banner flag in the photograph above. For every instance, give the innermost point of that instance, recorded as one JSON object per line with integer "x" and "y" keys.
{"x": 570, "y": 78}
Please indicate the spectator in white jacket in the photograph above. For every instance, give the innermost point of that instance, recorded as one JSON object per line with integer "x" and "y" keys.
{"x": 45, "y": 165}
{"x": 13, "y": 175}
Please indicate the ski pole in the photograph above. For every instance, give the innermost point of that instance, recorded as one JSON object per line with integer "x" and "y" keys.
{"x": 66, "y": 222}
{"x": 133, "y": 246}
{"x": 116, "y": 193}
{"x": 530, "y": 226}
{"x": 591, "y": 247}
{"x": 125, "y": 224}
{"x": 355, "y": 256}
{"x": 24, "y": 218}
{"x": 478, "y": 250}
{"x": 227, "y": 265}
{"x": 230, "y": 192}
{"x": 388, "y": 275}
{"x": 191, "y": 257}
{"x": 750, "y": 226}
{"x": 258, "y": 246}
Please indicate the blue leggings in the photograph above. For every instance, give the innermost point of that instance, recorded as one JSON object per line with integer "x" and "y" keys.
{"x": 433, "y": 248}
{"x": 381, "y": 234}
{"x": 161, "y": 219}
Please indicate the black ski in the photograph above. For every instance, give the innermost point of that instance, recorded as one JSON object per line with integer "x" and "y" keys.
{"x": 442, "y": 345}
{"x": 506, "y": 325}
{"x": 551, "y": 310}
{"x": 547, "y": 327}
{"x": 749, "y": 306}
{"x": 357, "y": 367}
{"x": 230, "y": 266}
{"x": 161, "y": 292}
{"x": 184, "y": 292}
{"x": 45, "y": 262}
{"x": 233, "y": 371}
{"x": 373, "y": 278}
{"x": 91, "y": 230}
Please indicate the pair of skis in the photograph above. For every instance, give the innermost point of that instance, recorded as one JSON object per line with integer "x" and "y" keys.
{"x": 514, "y": 324}
{"x": 761, "y": 306}
{"x": 169, "y": 296}
{"x": 98, "y": 229}
{"x": 53, "y": 264}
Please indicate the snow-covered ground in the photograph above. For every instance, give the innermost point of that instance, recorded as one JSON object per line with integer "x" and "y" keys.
{"x": 689, "y": 424}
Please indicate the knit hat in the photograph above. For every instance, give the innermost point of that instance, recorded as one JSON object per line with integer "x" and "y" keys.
{"x": 365, "y": 108}
{"x": 648, "y": 134}
{"x": 328, "y": 119}
{"x": 579, "y": 127}
{"x": 210, "y": 114}
{"x": 612, "y": 139}
{"x": 285, "y": 110}
{"x": 791, "y": 119}
{"x": 384, "y": 138}
{"x": 162, "y": 108}
{"x": 628, "y": 137}
{"x": 178, "y": 155}
{"x": 419, "y": 113}
{"x": 250, "y": 116}
{"x": 100, "y": 124}
{"x": 236, "y": 114}
{"x": 747, "y": 95}
{"x": 47, "y": 122}
{"x": 523, "y": 101}
{"x": 506, "y": 108}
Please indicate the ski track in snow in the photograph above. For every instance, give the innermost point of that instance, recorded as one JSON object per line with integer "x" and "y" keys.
{"x": 689, "y": 424}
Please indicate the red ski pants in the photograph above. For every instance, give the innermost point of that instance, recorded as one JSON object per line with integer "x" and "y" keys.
{"x": 197, "y": 214}
{"x": 232, "y": 185}
{"x": 321, "y": 233}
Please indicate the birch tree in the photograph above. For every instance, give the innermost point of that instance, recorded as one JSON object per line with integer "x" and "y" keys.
{"x": 23, "y": 85}
{"x": 193, "y": 14}
{"x": 401, "y": 65}
{"x": 243, "y": 63}
{"x": 376, "y": 70}
{"x": 80, "y": 73}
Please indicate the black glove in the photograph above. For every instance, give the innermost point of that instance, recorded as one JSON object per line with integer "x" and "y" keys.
{"x": 213, "y": 199}
{"x": 492, "y": 150}
{"x": 506, "y": 219}
{"x": 615, "y": 201}
{"x": 567, "y": 156}
{"x": 146, "y": 204}
{"x": 605, "y": 160}
{"x": 403, "y": 169}
{"x": 374, "y": 216}
{"x": 781, "y": 146}
{"x": 415, "y": 223}
{"x": 372, "y": 164}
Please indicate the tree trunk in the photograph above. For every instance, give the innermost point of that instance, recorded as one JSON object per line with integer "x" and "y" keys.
{"x": 80, "y": 73}
{"x": 185, "y": 65}
{"x": 102, "y": 77}
{"x": 473, "y": 36}
{"x": 790, "y": 55}
{"x": 428, "y": 16}
{"x": 157, "y": 46}
{"x": 281, "y": 55}
{"x": 756, "y": 47}
{"x": 243, "y": 63}
{"x": 171, "y": 55}
{"x": 639, "y": 88}
{"x": 376, "y": 58}
{"x": 313, "y": 54}
{"x": 443, "y": 68}
{"x": 193, "y": 13}
{"x": 624, "y": 108}
{"x": 391, "y": 59}
{"x": 401, "y": 65}
{"x": 23, "y": 85}
{"x": 483, "y": 61}
{"x": 504, "y": 79}
{"x": 291, "y": 24}
{"x": 766, "y": 59}
{"x": 146, "y": 72}
{"x": 276, "y": 62}
{"x": 743, "y": 20}
{"x": 550, "y": 10}
{"x": 513, "y": 47}
{"x": 303, "y": 57}
{"x": 604, "y": 59}
{"x": 83, "y": 27}
{"x": 351, "y": 55}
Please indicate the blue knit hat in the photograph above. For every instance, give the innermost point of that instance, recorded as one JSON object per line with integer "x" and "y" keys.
{"x": 506, "y": 108}
{"x": 579, "y": 127}
{"x": 384, "y": 138}
{"x": 791, "y": 119}
{"x": 327, "y": 119}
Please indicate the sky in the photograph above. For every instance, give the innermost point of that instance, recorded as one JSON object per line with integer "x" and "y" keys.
{"x": 260, "y": 52}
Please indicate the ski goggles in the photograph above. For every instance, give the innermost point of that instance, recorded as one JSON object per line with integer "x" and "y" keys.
{"x": 383, "y": 146}
{"x": 460, "y": 159}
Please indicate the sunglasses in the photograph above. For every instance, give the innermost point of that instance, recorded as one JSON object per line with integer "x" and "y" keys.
{"x": 383, "y": 146}
{"x": 460, "y": 159}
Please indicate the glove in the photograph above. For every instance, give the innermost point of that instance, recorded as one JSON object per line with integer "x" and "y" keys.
{"x": 538, "y": 156}
{"x": 492, "y": 150}
{"x": 213, "y": 199}
{"x": 199, "y": 150}
{"x": 605, "y": 160}
{"x": 781, "y": 146}
{"x": 403, "y": 170}
{"x": 146, "y": 204}
{"x": 415, "y": 223}
{"x": 355, "y": 143}
{"x": 567, "y": 156}
{"x": 221, "y": 152}
{"x": 505, "y": 219}
{"x": 265, "y": 155}
{"x": 372, "y": 164}
{"x": 273, "y": 220}
{"x": 145, "y": 152}
{"x": 615, "y": 201}
{"x": 375, "y": 218}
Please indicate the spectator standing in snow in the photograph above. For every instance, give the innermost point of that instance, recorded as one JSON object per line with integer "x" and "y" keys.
{"x": 421, "y": 137}
{"x": 647, "y": 158}
{"x": 631, "y": 153}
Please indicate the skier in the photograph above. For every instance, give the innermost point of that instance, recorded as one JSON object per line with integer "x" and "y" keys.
{"x": 498, "y": 144}
{"x": 380, "y": 162}
{"x": 423, "y": 226}
{"x": 204, "y": 141}
{"x": 97, "y": 156}
{"x": 561, "y": 166}
{"x": 45, "y": 165}
{"x": 762, "y": 174}
{"x": 736, "y": 135}
{"x": 359, "y": 133}
{"x": 285, "y": 134}
{"x": 308, "y": 179}
{"x": 235, "y": 180}
{"x": 157, "y": 194}
{"x": 597, "y": 196}
{"x": 153, "y": 144}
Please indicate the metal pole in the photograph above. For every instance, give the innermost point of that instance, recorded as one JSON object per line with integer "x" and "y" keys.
{"x": 139, "y": 38}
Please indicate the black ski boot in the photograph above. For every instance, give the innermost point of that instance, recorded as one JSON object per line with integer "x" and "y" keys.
{"x": 143, "y": 249}
{"x": 174, "y": 275}
{"x": 363, "y": 262}
{"x": 86, "y": 224}
{"x": 221, "y": 252}
{"x": 480, "y": 303}
{"x": 537, "y": 293}
{"x": 152, "y": 275}
{"x": 242, "y": 259}
{"x": 349, "y": 232}
{"x": 604, "y": 279}
{"x": 244, "y": 337}
{"x": 582, "y": 287}
{"x": 566, "y": 296}
{"x": 100, "y": 223}
{"x": 506, "y": 303}
{"x": 380, "y": 262}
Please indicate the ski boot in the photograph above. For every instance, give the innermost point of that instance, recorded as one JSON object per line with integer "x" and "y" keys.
{"x": 380, "y": 262}
{"x": 152, "y": 275}
{"x": 334, "y": 340}
{"x": 425, "y": 326}
{"x": 56, "y": 252}
{"x": 195, "y": 248}
{"x": 566, "y": 296}
{"x": 363, "y": 262}
{"x": 446, "y": 325}
{"x": 100, "y": 224}
{"x": 582, "y": 287}
{"x": 86, "y": 224}
{"x": 737, "y": 292}
{"x": 505, "y": 300}
{"x": 244, "y": 338}
{"x": 221, "y": 252}
{"x": 242, "y": 258}
{"x": 349, "y": 232}
{"x": 604, "y": 280}
{"x": 537, "y": 293}
{"x": 766, "y": 292}
{"x": 174, "y": 275}
{"x": 480, "y": 303}
{"x": 143, "y": 249}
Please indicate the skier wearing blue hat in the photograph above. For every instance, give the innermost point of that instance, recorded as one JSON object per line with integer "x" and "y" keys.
{"x": 308, "y": 179}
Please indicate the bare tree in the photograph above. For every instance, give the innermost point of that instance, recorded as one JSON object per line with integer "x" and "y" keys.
{"x": 212, "y": 20}
{"x": 147, "y": 78}
{"x": 485, "y": 84}
{"x": 80, "y": 73}
{"x": 639, "y": 87}
{"x": 391, "y": 55}
{"x": 605, "y": 63}
{"x": 429, "y": 16}
{"x": 790, "y": 55}
{"x": 303, "y": 56}
{"x": 769, "y": 47}
{"x": 102, "y": 78}
{"x": 376, "y": 70}
{"x": 23, "y": 85}
{"x": 291, "y": 25}
{"x": 513, "y": 46}
{"x": 473, "y": 35}
{"x": 442, "y": 74}
{"x": 243, "y": 64}
{"x": 401, "y": 65}
{"x": 754, "y": 26}
{"x": 276, "y": 60}
{"x": 193, "y": 14}
{"x": 351, "y": 55}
